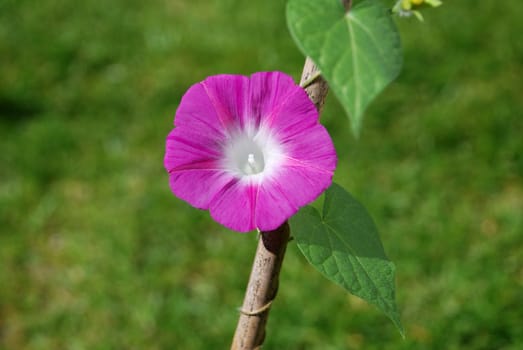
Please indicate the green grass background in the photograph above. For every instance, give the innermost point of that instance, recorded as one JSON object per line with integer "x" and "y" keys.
{"x": 96, "y": 253}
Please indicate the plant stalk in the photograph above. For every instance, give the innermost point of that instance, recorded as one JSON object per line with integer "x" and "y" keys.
{"x": 264, "y": 279}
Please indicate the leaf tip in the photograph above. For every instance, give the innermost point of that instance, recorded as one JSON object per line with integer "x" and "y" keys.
{"x": 400, "y": 329}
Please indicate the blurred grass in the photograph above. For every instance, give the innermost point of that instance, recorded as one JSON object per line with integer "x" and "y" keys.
{"x": 95, "y": 253}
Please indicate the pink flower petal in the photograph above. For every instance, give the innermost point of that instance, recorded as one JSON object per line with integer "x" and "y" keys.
{"x": 293, "y": 187}
{"x": 234, "y": 206}
{"x": 215, "y": 104}
{"x": 227, "y": 94}
{"x": 282, "y": 105}
{"x": 312, "y": 148}
{"x": 198, "y": 187}
{"x": 188, "y": 149}
{"x": 273, "y": 206}
{"x": 267, "y": 91}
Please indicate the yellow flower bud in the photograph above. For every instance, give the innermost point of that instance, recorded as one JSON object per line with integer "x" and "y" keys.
{"x": 406, "y": 5}
{"x": 406, "y": 8}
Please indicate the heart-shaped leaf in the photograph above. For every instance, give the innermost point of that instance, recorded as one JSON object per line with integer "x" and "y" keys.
{"x": 343, "y": 244}
{"x": 358, "y": 52}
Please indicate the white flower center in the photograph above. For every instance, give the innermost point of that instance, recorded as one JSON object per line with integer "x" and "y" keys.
{"x": 254, "y": 166}
{"x": 252, "y": 153}
{"x": 248, "y": 157}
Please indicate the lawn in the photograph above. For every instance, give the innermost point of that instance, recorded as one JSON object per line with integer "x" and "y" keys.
{"x": 96, "y": 253}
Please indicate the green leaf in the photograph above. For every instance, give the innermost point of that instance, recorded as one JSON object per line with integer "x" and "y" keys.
{"x": 358, "y": 53}
{"x": 343, "y": 244}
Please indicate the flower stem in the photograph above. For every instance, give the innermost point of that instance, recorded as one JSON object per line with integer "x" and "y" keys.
{"x": 264, "y": 279}
{"x": 311, "y": 79}
{"x": 261, "y": 289}
{"x": 347, "y": 4}
{"x": 314, "y": 84}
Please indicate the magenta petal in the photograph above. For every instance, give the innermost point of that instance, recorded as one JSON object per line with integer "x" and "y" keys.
{"x": 197, "y": 111}
{"x": 198, "y": 187}
{"x": 228, "y": 96}
{"x": 282, "y": 105}
{"x": 215, "y": 104}
{"x": 272, "y": 206}
{"x": 267, "y": 92}
{"x": 282, "y": 196}
{"x": 312, "y": 148}
{"x": 303, "y": 185}
{"x": 188, "y": 149}
{"x": 234, "y": 206}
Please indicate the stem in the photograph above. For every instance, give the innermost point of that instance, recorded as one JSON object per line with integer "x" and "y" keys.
{"x": 262, "y": 288}
{"x": 315, "y": 86}
{"x": 264, "y": 279}
{"x": 311, "y": 79}
{"x": 347, "y": 4}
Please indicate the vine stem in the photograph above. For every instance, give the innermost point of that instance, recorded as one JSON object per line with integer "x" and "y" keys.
{"x": 264, "y": 279}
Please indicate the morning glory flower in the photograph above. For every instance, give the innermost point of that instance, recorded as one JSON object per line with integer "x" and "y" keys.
{"x": 248, "y": 149}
